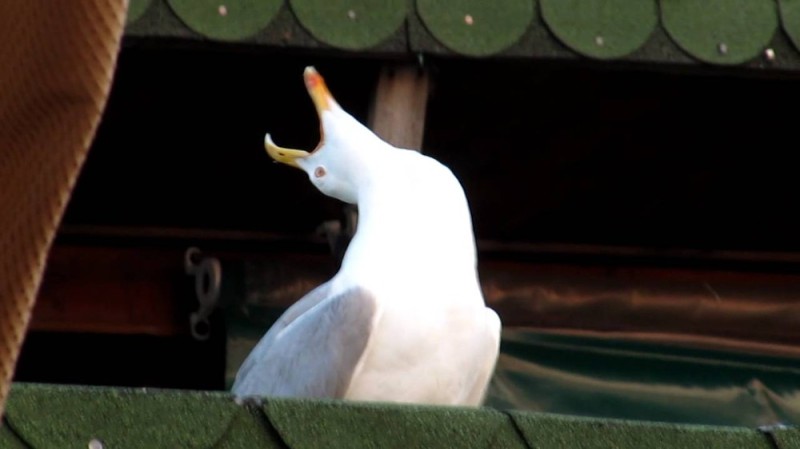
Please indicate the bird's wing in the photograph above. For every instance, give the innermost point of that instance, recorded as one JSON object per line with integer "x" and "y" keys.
{"x": 315, "y": 351}
{"x": 300, "y": 307}
{"x": 483, "y": 371}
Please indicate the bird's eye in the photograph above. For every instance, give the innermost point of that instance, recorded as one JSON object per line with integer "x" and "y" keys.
{"x": 319, "y": 171}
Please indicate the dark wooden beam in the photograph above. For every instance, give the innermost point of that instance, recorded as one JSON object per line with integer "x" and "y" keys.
{"x": 133, "y": 287}
{"x": 117, "y": 290}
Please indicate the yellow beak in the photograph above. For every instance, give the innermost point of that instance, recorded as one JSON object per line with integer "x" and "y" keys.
{"x": 322, "y": 98}
{"x": 318, "y": 90}
{"x": 287, "y": 156}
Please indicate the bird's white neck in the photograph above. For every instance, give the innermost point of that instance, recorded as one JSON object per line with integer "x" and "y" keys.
{"x": 430, "y": 206}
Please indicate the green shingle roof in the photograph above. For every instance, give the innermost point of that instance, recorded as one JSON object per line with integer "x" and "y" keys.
{"x": 63, "y": 417}
{"x": 762, "y": 34}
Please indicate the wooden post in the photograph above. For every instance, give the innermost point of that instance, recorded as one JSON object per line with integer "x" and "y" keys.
{"x": 397, "y": 113}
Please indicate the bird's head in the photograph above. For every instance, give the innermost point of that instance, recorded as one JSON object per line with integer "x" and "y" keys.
{"x": 337, "y": 166}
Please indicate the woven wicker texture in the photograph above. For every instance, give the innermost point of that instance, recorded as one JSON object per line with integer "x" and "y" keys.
{"x": 57, "y": 60}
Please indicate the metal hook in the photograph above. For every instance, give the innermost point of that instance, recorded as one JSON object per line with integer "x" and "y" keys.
{"x": 207, "y": 272}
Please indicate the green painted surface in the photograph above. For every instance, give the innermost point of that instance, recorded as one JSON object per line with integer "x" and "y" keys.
{"x": 230, "y": 20}
{"x": 477, "y": 27}
{"x": 136, "y": 9}
{"x": 351, "y": 24}
{"x": 790, "y": 18}
{"x": 721, "y": 31}
{"x": 601, "y": 28}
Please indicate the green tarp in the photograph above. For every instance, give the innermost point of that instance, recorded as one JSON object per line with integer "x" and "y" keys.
{"x": 603, "y": 377}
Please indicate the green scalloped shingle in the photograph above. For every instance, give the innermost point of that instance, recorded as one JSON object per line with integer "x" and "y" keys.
{"x": 10, "y": 441}
{"x": 226, "y": 20}
{"x": 551, "y": 431}
{"x": 721, "y": 31}
{"x": 136, "y": 9}
{"x": 249, "y": 430}
{"x": 790, "y": 17}
{"x": 62, "y": 418}
{"x": 603, "y": 29}
{"x": 786, "y": 438}
{"x": 65, "y": 417}
{"x": 351, "y": 24}
{"x": 339, "y": 424}
{"x": 477, "y": 27}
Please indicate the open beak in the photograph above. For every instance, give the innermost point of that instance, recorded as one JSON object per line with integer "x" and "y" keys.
{"x": 323, "y": 101}
{"x": 287, "y": 156}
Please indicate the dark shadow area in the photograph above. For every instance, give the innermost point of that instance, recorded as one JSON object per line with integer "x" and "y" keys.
{"x": 122, "y": 360}
{"x": 181, "y": 141}
{"x": 547, "y": 151}
{"x": 553, "y": 152}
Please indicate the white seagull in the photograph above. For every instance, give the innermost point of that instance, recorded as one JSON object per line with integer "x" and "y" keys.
{"x": 403, "y": 320}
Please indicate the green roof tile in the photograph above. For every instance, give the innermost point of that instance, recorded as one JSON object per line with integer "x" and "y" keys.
{"x": 550, "y": 431}
{"x": 477, "y": 27}
{"x": 64, "y": 417}
{"x": 351, "y": 24}
{"x": 231, "y": 20}
{"x": 790, "y": 18}
{"x": 601, "y": 28}
{"x": 786, "y": 438}
{"x": 721, "y": 31}
{"x": 335, "y": 424}
{"x": 8, "y": 440}
{"x": 136, "y": 9}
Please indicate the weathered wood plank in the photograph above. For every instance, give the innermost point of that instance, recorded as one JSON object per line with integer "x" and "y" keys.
{"x": 398, "y": 109}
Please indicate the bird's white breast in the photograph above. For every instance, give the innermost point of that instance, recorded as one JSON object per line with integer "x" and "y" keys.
{"x": 414, "y": 250}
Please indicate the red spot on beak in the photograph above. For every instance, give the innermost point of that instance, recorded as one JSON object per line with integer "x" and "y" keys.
{"x": 313, "y": 81}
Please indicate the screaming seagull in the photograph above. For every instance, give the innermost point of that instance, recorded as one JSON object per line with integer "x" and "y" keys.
{"x": 404, "y": 319}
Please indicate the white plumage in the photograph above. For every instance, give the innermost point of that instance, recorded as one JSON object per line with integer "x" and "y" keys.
{"x": 404, "y": 319}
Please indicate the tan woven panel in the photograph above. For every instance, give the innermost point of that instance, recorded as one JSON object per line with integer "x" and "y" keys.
{"x": 57, "y": 59}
